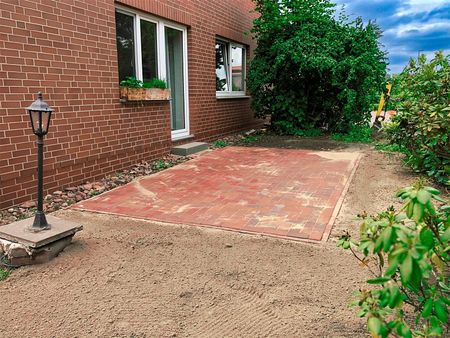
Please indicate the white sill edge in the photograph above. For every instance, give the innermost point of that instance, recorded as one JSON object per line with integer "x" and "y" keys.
{"x": 220, "y": 97}
{"x": 182, "y": 137}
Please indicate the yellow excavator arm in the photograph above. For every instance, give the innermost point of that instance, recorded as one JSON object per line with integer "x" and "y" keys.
{"x": 383, "y": 99}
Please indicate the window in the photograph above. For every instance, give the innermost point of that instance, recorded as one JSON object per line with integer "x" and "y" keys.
{"x": 141, "y": 63}
{"x": 230, "y": 69}
{"x": 148, "y": 48}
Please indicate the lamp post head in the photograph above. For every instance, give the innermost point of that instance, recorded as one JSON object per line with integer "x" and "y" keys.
{"x": 40, "y": 113}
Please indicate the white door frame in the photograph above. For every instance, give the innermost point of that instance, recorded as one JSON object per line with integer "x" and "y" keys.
{"x": 162, "y": 70}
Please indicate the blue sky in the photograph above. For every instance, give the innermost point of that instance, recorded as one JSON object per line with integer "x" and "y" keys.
{"x": 409, "y": 26}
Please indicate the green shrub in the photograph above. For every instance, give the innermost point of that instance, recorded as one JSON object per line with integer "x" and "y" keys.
{"x": 4, "y": 274}
{"x": 250, "y": 139}
{"x": 161, "y": 165}
{"x": 361, "y": 134}
{"x": 394, "y": 148}
{"x": 408, "y": 253}
{"x": 220, "y": 144}
{"x": 422, "y": 125}
{"x": 312, "y": 68}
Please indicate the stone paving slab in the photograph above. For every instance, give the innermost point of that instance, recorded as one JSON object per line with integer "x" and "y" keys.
{"x": 287, "y": 193}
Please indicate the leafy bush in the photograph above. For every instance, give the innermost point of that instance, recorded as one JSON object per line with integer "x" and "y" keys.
{"x": 361, "y": 134}
{"x": 408, "y": 254}
{"x": 312, "y": 70}
{"x": 4, "y": 274}
{"x": 422, "y": 124}
{"x": 395, "y": 148}
{"x": 250, "y": 139}
{"x": 220, "y": 144}
{"x": 161, "y": 165}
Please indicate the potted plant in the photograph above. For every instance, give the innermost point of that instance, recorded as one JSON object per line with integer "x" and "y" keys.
{"x": 156, "y": 89}
{"x": 132, "y": 89}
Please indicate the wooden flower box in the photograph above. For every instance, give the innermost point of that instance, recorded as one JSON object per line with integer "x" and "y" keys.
{"x": 144, "y": 94}
{"x": 157, "y": 94}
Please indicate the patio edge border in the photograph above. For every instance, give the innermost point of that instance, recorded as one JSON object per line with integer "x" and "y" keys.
{"x": 327, "y": 232}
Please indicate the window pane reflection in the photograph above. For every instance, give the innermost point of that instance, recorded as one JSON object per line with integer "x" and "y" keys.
{"x": 148, "y": 48}
{"x": 221, "y": 67}
{"x": 125, "y": 45}
{"x": 237, "y": 68}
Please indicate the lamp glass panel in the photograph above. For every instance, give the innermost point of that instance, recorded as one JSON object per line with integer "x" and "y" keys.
{"x": 45, "y": 121}
{"x": 40, "y": 121}
{"x": 35, "y": 120}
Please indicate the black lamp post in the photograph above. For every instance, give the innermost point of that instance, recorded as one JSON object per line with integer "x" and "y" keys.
{"x": 40, "y": 114}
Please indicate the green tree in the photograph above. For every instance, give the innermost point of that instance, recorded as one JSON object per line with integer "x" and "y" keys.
{"x": 422, "y": 124}
{"x": 312, "y": 69}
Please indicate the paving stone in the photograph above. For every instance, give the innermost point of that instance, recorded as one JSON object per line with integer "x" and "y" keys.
{"x": 278, "y": 192}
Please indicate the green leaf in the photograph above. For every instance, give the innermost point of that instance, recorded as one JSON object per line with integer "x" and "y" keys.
{"x": 388, "y": 235}
{"x": 441, "y": 311}
{"x": 378, "y": 244}
{"x": 436, "y": 328}
{"x": 423, "y": 196}
{"x": 427, "y": 308}
{"x": 432, "y": 190}
{"x": 431, "y": 209}
{"x": 404, "y": 331}
{"x": 446, "y": 235}
{"x": 406, "y": 269}
{"x": 418, "y": 212}
{"x": 375, "y": 325}
{"x": 378, "y": 280}
{"x": 427, "y": 238}
{"x": 410, "y": 209}
{"x": 396, "y": 297}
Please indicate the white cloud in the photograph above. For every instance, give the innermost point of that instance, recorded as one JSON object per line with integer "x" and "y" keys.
{"x": 423, "y": 27}
{"x": 419, "y": 6}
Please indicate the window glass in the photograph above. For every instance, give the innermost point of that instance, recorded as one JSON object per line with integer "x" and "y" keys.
{"x": 237, "y": 68}
{"x": 149, "y": 48}
{"x": 175, "y": 75}
{"x": 125, "y": 45}
{"x": 221, "y": 66}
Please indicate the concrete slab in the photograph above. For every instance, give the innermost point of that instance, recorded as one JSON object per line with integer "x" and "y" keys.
{"x": 189, "y": 148}
{"x": 294, "y": 194}
{"x": 18, "y": 232}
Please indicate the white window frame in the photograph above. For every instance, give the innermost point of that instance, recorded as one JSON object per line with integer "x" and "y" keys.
{"x": 230, "y": 92}
{"x": 161, "y": 51}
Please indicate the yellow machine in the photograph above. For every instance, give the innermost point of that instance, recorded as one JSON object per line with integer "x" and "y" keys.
{"x": 382, "y": 106}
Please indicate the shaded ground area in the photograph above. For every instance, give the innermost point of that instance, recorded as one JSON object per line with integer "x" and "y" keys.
{"x": 279, "y": 192}
{"x": 310, "y": 143}
{"x": 133, "y": 278}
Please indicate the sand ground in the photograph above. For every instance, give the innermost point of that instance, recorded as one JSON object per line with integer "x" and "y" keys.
{"x": 123, "y": 277}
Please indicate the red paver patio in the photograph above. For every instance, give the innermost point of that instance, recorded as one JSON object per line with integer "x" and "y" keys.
{"x": 279, "y": 192}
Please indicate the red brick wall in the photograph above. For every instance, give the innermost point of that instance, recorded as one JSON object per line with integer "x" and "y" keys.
{"x": 67, "y": 49}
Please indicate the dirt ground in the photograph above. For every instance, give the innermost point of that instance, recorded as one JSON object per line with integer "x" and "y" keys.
{"x": 131, "y": 278}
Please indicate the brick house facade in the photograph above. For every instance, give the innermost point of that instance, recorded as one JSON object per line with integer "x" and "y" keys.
{"x": 68, "y": 49}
